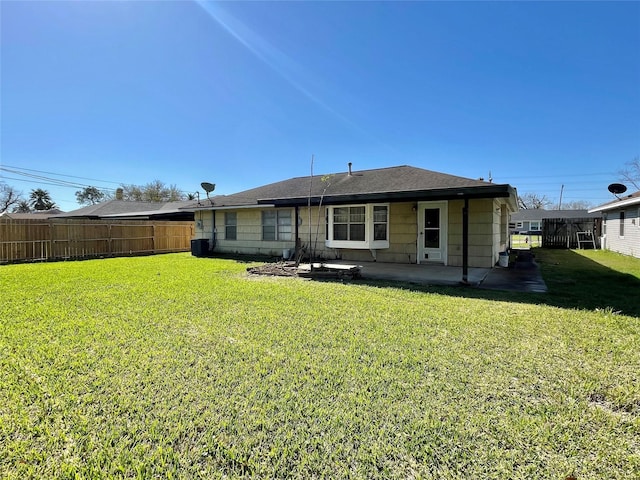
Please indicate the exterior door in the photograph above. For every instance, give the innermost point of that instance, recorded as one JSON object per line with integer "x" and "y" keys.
{"x": 432, "y": 232}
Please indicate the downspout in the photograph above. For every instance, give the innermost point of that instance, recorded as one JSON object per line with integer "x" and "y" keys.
{"x": 213, "y": 232}
{"x": 297, "y": 232}
{"x": 465, "y": 242}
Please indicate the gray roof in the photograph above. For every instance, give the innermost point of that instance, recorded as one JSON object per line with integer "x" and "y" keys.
{"x": 125, "y": 208}
{"x": 37, "y": 215}
{"x": 393, "y": 183}
{"x": 618, "y": 203}
{"x": 541, "y": 214}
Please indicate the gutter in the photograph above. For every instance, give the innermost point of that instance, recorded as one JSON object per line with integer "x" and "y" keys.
{"x": 612, "y": 206}
{"x": 490, "y": 191}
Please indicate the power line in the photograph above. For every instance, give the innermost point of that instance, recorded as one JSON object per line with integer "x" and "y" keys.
{"x": 44, "y": 180}
{"x": 59, "y": 174}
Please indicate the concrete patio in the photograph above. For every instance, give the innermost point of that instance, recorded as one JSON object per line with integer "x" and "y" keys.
{"x": 523, "y": 275}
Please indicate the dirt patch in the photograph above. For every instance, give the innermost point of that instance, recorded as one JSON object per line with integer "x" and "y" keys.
{"x": 279, "y": 269}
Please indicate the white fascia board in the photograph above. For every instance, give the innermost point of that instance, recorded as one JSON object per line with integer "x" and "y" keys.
{"x": 234, "y": 207}
{"x": 613, "y": 206}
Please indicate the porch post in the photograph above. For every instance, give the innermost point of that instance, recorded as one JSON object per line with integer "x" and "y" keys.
{"x": 297, "y": 232}
{"x": 465, "y": 242}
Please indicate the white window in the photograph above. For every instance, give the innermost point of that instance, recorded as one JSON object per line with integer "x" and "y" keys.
{"x": 519, "y": 225}
{"x": 622, "y": 224}
{"x": 230, "y": 225}
{"x": 534, "y": 225}
{"x": 276, "y": 225}
{"x": 358, "y": 226}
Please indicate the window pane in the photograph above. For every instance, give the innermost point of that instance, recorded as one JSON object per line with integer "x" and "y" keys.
{"x": 230, "y": 232}
{"x": 380, "y": 214}
{"x": 230, "y": 222}
{"x": 284, "y": 217}
{"x": 269, "y": 217}
{"x": 340, "y": 215}
{"x": 622, "y": 224}
{"x": 356, "y": 215}
{"x": 284, "y": 232}
{"x": 356, "y": 232}
{"x": 340, "y": 232}
{"x": 230, "y": 218}
{"x": 432, "y": 218}
{"x": 268, "y": 232}
{"x": 380, "y": 231}
{"x": 432, "y": 238}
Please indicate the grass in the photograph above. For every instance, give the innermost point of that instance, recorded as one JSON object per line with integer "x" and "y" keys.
{"x": 179, "y": 367}
{"x": 524, "y": 242}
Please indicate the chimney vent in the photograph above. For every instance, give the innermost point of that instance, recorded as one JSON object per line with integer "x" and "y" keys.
{"x": 350, "y": 168}
{"x": 119, "y": 193}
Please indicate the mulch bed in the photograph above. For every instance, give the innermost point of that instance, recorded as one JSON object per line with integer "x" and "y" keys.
{"x": 319, "y": 271}
{"x": 279, "y": 269}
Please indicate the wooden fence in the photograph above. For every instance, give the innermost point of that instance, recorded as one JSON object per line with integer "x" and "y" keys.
{"x": 563, "y": 232}
{"x": 62, "y": 239}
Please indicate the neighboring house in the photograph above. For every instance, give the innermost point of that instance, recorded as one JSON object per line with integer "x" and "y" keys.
{"x": 530, "y": 220}
{"x": 130, "y": 210}
{"x": 35, "y": 215}
{"x": 621, "y": 225}
{"x": 398, "y": 214}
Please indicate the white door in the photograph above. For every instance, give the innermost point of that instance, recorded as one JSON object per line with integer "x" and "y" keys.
{"x": 432, "y": 232}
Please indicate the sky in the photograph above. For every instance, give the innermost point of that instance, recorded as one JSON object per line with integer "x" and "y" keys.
{"x": 544, "y": 96}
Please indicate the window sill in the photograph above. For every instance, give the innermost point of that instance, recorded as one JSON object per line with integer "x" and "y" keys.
{"x": 376, "y": 245}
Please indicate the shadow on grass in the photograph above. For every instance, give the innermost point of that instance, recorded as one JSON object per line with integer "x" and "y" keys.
{"x": 573, "y": 281}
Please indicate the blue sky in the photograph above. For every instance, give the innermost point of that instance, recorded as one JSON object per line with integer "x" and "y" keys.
{"x": 540, "y": 94}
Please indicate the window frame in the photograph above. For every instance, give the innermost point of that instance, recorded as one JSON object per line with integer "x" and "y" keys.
{"x": 370, "y": 229}
{"x": 622, "y": 220}
{"x": 231, "y": 226}
{"x": 282, "y": 232}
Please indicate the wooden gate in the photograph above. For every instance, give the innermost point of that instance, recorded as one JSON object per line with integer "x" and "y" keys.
{"x": 563, "y": 232}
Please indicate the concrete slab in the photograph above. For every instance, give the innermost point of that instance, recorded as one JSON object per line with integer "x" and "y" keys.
{"x": 522, "y": 276}
{"x": 424, "y": 274}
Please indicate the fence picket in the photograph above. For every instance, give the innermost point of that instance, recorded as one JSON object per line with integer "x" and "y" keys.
{"x": 58, "y": 239}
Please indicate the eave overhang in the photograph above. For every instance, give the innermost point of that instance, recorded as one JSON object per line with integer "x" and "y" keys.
{"x": 489, "y": 191}
{"x": 622, "y": 203}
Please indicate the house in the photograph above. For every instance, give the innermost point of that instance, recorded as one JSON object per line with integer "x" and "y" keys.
{"x": 621, "y": 225}
{"x": 529, "y": 221}
{"x": 399, "y": 214}
{"x": 35, "y": 215}
{"x": 132, "y": 210}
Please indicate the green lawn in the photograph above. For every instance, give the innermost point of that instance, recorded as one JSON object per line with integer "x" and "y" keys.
{"x": 173, "y": 366}
{"x": 524, "y": 242}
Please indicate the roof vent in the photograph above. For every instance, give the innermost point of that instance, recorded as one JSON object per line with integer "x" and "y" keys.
{"x": 350, "y": 174}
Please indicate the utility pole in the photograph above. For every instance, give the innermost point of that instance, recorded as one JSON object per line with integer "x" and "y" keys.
{"x": 560, "y": 202}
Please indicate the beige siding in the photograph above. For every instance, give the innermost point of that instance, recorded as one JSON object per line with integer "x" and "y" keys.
{"x": 483, "y": 252}
{"x": 487, "y": 234}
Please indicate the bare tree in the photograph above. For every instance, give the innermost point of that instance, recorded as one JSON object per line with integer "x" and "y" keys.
{"x": 533, "y": 201}
{"x": 574, "y": 205}
{"x": 631, "y": 173}
{"x": 9, "y": 197}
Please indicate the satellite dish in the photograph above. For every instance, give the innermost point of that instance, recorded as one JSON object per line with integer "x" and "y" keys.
{"x": 617, "y": 188}
{"x": 208, "y": 187}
